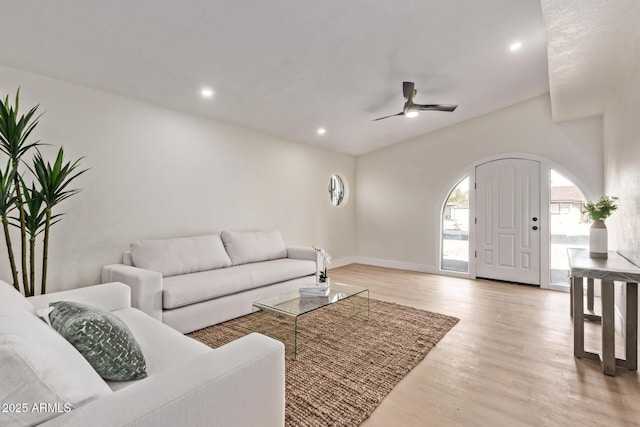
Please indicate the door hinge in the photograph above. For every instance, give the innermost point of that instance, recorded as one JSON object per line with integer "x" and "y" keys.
{"x": 475, "y": 254}
{"x": 475, "y": 220}
{"x": 475, "y": 185}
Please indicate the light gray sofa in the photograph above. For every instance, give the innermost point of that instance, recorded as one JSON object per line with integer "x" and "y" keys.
{"x": 44, "y": 379}
{"x": 193, "y": 282}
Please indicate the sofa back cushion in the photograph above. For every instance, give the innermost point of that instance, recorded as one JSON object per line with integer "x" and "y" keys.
{"x": 11, "y": 300}
{"x": 181, "y": 255}
{"x": 38, "y": 367}
{"x": 244, "y": 247}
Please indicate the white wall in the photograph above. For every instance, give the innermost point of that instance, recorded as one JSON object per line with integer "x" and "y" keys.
{"x": 622, "y": 164}
{"x": 159, "y": 173}
{"x": 400, "y": 188}
{"x": 622, "y": 157}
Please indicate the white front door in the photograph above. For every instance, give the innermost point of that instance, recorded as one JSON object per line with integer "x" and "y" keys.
{"x": 508, "y": 220}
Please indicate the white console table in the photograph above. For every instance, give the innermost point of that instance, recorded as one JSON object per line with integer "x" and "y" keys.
{"x": 614, "y": 268}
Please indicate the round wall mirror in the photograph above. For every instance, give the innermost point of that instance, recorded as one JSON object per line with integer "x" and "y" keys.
{"x": 337, "y": 190}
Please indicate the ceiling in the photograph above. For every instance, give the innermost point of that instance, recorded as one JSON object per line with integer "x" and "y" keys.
{"x": 287, "y": 67}
{"x": 588, "y": 41}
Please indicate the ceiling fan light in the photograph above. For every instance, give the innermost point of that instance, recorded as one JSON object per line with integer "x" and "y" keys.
{"x": 411, "y": 114}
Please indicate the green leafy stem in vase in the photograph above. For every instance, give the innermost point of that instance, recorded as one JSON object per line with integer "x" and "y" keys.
{"x": 602, "y": 209}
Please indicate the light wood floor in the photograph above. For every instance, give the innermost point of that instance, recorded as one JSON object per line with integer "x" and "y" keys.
{"x": 508, "y": 362}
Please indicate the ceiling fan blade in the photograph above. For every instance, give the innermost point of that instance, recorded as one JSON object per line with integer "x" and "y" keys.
{"x": 386, "y": 117}
{"x": 407, "y": 89}
{"x": 436, "y": 107}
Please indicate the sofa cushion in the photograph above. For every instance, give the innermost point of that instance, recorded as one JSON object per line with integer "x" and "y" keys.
{"x": 162, "y": 346}
{"x": 244, "y": 247}
{"x": 181, "y": 255}
{"x": 11, "y": 300}
{"x": 183, "y": 290}
{"x": 37, "y": 366}
{"x": 102, "y": 338}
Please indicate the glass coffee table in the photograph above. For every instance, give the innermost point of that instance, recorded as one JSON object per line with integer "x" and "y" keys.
{"x": 292, "y": 306}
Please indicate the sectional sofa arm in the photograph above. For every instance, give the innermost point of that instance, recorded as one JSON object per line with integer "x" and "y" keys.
{"x": 109, "y": 296}
{"x": 303, "y": 252}
{"x": 239, "y": 384}
{"x": 146, "y": 286}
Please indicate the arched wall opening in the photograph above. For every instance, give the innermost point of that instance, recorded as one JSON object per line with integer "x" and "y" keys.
{"x": 561, "y": 231}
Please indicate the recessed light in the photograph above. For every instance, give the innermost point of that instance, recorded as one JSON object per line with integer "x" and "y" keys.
{"x": 322, "y": 131}
{"x": 206, "y": 92}
{"x": 515, "y": 46}
{"x": 411, "y": 114}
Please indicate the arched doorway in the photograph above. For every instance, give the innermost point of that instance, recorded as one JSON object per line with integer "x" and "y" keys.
{"x": 555, "y": 235}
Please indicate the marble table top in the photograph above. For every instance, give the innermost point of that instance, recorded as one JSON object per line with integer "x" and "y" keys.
{"x": 616, "y": 267}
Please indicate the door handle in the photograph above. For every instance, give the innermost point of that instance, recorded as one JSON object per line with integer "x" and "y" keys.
{"x": 535, "y": 227}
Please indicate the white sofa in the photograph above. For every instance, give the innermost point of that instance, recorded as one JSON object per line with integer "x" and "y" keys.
{"x": 44, "y": 379}
{"x": 193, "y": 282}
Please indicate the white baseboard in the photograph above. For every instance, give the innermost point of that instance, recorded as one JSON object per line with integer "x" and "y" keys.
{"x": 401, "y": 265}
{"x": 335, "y": 263}
{"x": 561, "y": 287}
{"x": 422, "y": 268}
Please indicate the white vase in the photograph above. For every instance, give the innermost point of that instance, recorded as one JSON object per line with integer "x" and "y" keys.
{"x": 598, "y": 245}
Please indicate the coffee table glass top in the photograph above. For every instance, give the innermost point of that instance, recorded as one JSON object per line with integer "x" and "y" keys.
{"x": 292, "y": 304}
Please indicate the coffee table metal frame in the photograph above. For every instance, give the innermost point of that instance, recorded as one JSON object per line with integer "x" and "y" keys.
{"x": 293, "y": 306}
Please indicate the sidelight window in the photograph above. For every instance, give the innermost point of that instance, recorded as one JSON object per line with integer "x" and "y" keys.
{"x": 569, "y": 226}
{"x": 455, "y": 229}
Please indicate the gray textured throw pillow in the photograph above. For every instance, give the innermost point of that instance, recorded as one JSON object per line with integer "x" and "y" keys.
{"x": 102, "y": 338}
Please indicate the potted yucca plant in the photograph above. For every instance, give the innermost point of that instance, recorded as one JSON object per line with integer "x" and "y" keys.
{"x": 8, "y": 204}
{"x": 54, "y": 180}
{"x": 30, "y": 204}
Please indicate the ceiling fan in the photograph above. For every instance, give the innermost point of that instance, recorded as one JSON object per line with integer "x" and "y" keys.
{"x": 411, "y": 109}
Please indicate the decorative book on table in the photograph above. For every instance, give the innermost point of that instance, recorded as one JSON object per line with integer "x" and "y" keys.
{"x": 314, "y": 290}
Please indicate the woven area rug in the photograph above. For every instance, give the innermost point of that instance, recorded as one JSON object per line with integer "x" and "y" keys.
{"x": 345, "y": 365}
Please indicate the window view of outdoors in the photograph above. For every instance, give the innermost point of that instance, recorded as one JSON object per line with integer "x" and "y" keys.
{"x": 569, "y": 224}
{"x": 455, "y": 229}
